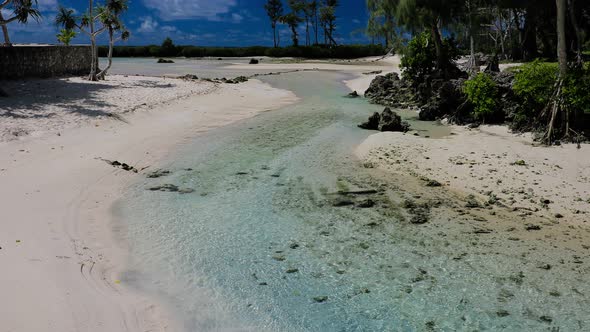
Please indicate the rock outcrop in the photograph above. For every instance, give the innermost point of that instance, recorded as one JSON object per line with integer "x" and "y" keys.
{"x": 390, "y": 90}
{"x": 386, "y": 121}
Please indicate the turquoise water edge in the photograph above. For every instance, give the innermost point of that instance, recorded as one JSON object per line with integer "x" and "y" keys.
{"x": 259, "y": 246}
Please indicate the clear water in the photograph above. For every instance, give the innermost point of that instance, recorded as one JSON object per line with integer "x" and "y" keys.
{"x": 203, "y": 68}
{"x": 259, "y": 241}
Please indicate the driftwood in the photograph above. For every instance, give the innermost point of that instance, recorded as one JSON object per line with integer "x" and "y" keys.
{"x": 355, "y": 192}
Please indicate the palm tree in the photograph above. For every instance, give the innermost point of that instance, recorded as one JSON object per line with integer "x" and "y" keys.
{"x": 65, "y": 17}
{"x": 328, "y": 20}
{"x": 293, "y": 21}
{"x": 430, "y": 15}
{"x": 110, "y": 18}
{"x": 22, "y": 10}
{"x": 274, "y": 10}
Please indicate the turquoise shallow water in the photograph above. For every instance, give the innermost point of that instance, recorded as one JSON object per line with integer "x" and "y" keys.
{"x": 259, "y": 247}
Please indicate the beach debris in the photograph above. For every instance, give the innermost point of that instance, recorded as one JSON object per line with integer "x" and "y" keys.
{"x": 189, "y": 77}
{"x": 158, "y": 174}
{"x": 386, "y": 121}
{"x": 292, "y": 270}
{"x": 505, "y": 296}
{"x": 471, "y": 202}
{"x": 341, "y": 202}
{"x": 353, "y": 94}
{"x": 165, "y": 188}
{"x": 165, "y": 61}
{"x": 519, "y": 163}
{"x": 376, "y": 72}
{"x": 121, "y": 165}
{"x": 355, "y": 192}
{"x": 502, "y": 313}
{"x": 365, "y": 204}
{"x": 279, "y": 258}
{"x": 186, "y": 191}
{"x": 531, "y": 227}
{"x": 432, "y": 183}
{"x": 254, "y": 61}
{"x": 19, "y": 132}
{"x": 320, "y": 299}
{"x": 420, "y": 216}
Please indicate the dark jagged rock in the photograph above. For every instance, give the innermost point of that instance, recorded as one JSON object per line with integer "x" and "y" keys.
{"x": 390, "y": 90}
{"x": 121, "y": 165}
{"x": 391, "y": 121}
{"x": 447, "y": 98}
{"x": 433, "y": 183}
{"x": 376, "y": 72}
{"x": 320, "y": 299}
{"x": 165, "y": 61}
{"x": 254, "y": 61}
{"x": 387, "y": 121}
{"x": 492, "y": 64}
{"x": 372, "y": 123}
{"x": 189, "y": 77}
{"x": 353, "y": 94}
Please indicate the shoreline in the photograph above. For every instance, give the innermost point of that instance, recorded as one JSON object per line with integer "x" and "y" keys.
{"x": 59, "y": 221}
{"x": 493, "y": 166}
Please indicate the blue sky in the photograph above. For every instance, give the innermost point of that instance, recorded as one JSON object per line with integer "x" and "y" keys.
{"x": 194, "y": 22}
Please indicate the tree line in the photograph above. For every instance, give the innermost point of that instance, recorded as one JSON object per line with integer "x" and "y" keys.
{"x": 511, "y": 29}
{"x": 319, "y": 17}
{"x": 514, "y": 29}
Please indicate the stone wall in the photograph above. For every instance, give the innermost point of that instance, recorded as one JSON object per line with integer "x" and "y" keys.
{"x": 44, "y": 61}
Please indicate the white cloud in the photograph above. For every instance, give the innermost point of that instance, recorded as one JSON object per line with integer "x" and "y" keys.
{"x": 170, "y": 10}
{"x": 168, "y": 28}
{"x": 48, "y": 5}
{"x": 236, "y": 18}
{"x": 148, "y": 24}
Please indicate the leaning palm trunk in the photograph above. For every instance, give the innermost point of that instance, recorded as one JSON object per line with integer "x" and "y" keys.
{"x": 104, "y": 72}
{"x": 5, "y": 31}
{"x": 438, "y": 45}
{"x": 94, "y": 64}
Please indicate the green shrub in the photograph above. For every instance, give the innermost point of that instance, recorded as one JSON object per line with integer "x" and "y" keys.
{"x": 533, "y": 86}
{"x": 482, "y": 92}
{"x": 534, "y": 83}
{"x": 576, "y": 89}
{"x": 419, "y": 58}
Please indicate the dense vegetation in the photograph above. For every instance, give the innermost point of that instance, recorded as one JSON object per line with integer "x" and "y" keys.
{"x": 167, "y": 49}
{"x": 552, "y": 98}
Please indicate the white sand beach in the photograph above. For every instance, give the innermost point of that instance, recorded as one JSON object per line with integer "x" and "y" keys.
{"x": 60, "y": 256}
{"x": 492, "y": 163}
{"x": 57, "y": 232}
